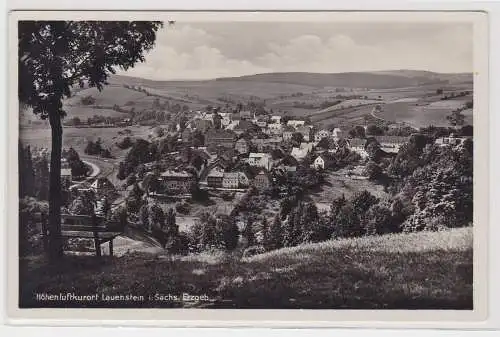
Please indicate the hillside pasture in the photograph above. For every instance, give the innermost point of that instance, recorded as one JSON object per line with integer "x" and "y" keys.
{"x": 400, "y": 271}
{"x": 84, "y": 112}
{"x": 78, "y": 138}
{"x": 421, "y": 114}
{"x": 338, "y": 184}
{"x": 109, "y": 96}
{"x": 343, "y": 117}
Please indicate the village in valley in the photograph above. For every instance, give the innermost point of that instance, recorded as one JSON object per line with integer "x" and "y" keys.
{"x": 235, "y": 185}
{"x": 239, "y": 161}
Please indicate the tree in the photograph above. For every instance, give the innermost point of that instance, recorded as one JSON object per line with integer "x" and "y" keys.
{"x": 336, "y": 206}
{"x": 456, "y": 118}
{"x": 134, "y": 199}
{"x": 217, "y": 120}
{"x": 357, "y": 132}
{"x": 374, "y": 130}
{"x": 326, "y": 143}
{"x": 362, "y": 201}
{"x": 264, "y": 231}
{"x": 373, "y": 149}
{"x": 209, "y": 233}
{"x": 297, "y": 138}
{"x": 197, "y": 138}
{"x": 228, "y": 232}
{"x": 249, "y": 233}
{"x": 373, "y": 171}
{"x": 275, "y": 235}
{"x": 26, "y": 171}
{"x": 171, "y": 226}
{"x": 347, "y": 223}
{"x": 54, "y": 56}
{"x": 379, "y": 221}
{"x": 42, "y": 177}
{"x": 439, "y": 91}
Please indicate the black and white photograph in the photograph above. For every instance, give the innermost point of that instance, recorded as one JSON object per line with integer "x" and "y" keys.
{"x": 246, "y": 164}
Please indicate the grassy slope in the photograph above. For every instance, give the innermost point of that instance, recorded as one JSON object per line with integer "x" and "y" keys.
{"x": 412, "y": 271}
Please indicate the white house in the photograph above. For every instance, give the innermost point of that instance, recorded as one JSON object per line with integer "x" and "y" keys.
{"x": 337, "y": 134}
{"x": 321, "y": 134}
{"x": 232, "y": 125}
{"x": 226, "y": 118}
{"x": 295, "y": 123}
{"x": 450, "y": 141}
{"x": 260, "y": 159}
{"x": 307, "y": 146}
{"x": 319, "y": 163}
{"x": 274, "y": 126}
{"x": 391, "y": 144}
{"x": 230, "y": 180}
{"x": 276, "y": 119}
{"x": 301, "y": 152}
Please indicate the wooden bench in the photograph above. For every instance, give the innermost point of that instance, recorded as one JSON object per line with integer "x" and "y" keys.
{"x": 86, "y": 227}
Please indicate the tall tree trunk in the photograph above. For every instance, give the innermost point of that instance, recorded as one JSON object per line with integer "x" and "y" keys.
{"x": 55, "y": 240}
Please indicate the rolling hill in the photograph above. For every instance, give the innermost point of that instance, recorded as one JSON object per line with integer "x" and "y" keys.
{"x": 373, "y": 80}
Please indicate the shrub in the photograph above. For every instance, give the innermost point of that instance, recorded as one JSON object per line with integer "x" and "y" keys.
{"x": 87, "y": 100}
{"x": 183, "y": 207}
{"x": 253, "y": 250}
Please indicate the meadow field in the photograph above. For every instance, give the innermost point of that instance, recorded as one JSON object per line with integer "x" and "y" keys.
{"x": 337, "y": 184}
{"x": 78, "y": 138}
{"x": 427, "y": 270}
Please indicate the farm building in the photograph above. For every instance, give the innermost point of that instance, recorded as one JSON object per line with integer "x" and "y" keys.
{"x": 215, "y": 178}
{"x": 223, "y": 138}
{"x": 261, "y": 180}
{"x": 391, "y": 144}
{"x": 261, "y": 160}
{"x": 230, "y": 180}
{"x": 358, "y": 145}
{"x": 174, "y": 181}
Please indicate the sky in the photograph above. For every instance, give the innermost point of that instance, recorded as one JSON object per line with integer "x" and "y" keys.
{"x": 207, "y": 50}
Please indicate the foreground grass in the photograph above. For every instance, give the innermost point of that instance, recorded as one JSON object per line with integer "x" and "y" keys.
{"x": 415, "y": 271}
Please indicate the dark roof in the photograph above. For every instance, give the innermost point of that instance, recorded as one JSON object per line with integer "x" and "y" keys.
{"x": 355, "y": 142}
{"x": 220, "y": 134}
{"x": 289, "y": 161}
{"x": 392, "y": 139}
{"x": 244, "y": 125}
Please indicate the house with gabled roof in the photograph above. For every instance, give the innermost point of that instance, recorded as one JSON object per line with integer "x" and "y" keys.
{"x": 223, "y": 138}
{"x": 295, "y": 123}
{"x": 288, "y": 132}
{"x": 261, "y": 160}
{"x": 358, "y": 145}
{"x": 262, "y": 181}
{"x": 242, "y": 146}
{"x": 391, "y": 144}
{"x": 177, "y": 181}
